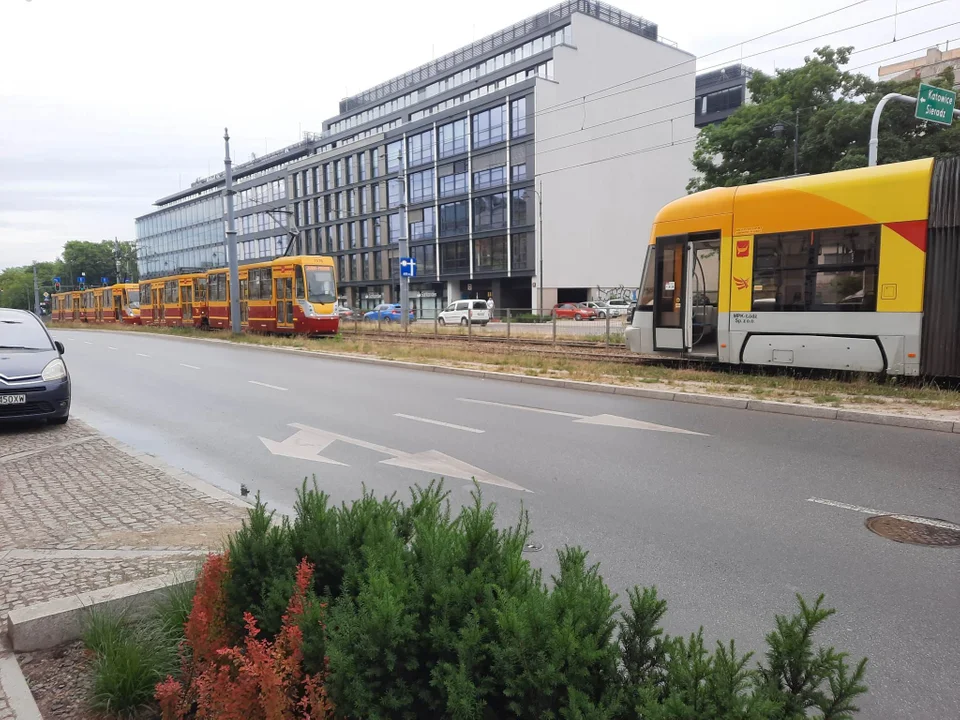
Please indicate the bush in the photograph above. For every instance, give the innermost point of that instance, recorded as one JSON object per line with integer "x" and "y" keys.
{"x": 436, "y": 614}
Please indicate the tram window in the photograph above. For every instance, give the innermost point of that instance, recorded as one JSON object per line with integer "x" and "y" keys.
{"x": 648, "y": 283}
{"x": 298, "y": 280}
{"x": 817, "y": 270}
{"x": 253, "y": 280}
{"x": 171, "y": 292}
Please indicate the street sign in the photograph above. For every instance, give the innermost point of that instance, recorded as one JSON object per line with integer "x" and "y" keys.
{"x": 81, "y": 280}
{"x": 57, "y": 280}
{"x": 104, "y": 281}
{"x": 935, "y": 104}
{"x": 408, "y": 267}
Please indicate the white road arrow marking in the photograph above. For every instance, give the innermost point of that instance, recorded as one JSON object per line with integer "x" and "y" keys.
{"x": 304, "y": 445}
{"x": 607, "y": 420}
{"x": 308, "y": 442}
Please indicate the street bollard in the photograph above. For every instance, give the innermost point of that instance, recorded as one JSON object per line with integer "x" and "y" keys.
{"x": 508, "y": 323}
{"x": 436, "y": 326}
{"x": 469, "y": 321}
{"x": 553, "y": 315}
{"x": 607, "y": 336}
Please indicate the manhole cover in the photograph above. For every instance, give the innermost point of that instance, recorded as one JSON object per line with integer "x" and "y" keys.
{"x": 533, "y": 547}
{"x": 899, "y": 529}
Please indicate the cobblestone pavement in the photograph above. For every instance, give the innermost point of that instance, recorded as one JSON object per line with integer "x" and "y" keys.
{"x": 67, "y": 492}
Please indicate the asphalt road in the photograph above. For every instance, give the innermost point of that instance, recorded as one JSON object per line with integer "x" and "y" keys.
{"x": 718, "y": 516}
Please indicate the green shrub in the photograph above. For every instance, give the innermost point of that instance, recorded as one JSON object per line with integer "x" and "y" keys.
{"x": 435, "y": 614}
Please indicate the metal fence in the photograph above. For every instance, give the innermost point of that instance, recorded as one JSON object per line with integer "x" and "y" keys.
{"x": 500, "y": 325}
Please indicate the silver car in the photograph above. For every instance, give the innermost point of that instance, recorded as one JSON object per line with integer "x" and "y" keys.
{"x": 603, "y": 309}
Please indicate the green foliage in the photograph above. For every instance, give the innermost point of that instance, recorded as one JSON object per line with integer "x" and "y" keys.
{"x": 436, "y": 614}
{"x": 835, "y": 107}
{"x": 129, "y": 661}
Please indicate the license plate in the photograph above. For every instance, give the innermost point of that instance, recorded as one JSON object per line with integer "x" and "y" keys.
{"x": 13, "y": 399}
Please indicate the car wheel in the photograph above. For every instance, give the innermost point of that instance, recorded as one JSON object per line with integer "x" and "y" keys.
{"x": 602, "y": 315}
{"x": 59, "y": 420}
{"x": 578, "y": 317}
{"x": 463, "y": 321}
{"x": 441, "y": 321}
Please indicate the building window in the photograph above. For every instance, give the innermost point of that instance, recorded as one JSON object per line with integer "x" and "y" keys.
{"x": 490, "y": 254}
{"x": 342, "y": 269}
{"x": 352, "y": 235}
{"x": 728, "y": 99}
{"x": 393, "y": 234}
{"x": 420, "y": 149}
{"x": 351, "y": 169}
{"x": 297, "y": 189}
{"x": 340, "y": 245}
{"x": 421, "y": 186}
{"x": 454, "y": 219}
{"x": 308, "y": 182}
{"x": 364, "y": 234}
{"x": 393, "y": 193}
{"x": 422, "y": 226}
{"x": 492, "y": 177}
{"x": 365, "y": 265}
{"x": 339, "y": 205}
{"x": 375, "y": 193}
{"x": 518, "y": 117}
{"x": 453, "y": 138}
{"x": 363, "y": 200}
{"x": 394, "y": 151}
{"x": 377, "y": 264}
{"x": 820, "y": 270}
{"x": 327, "y": 177}
{"x": 351, "y": 202}
{"x": 375, "y": 162}
{"x": 338, "y": 171}
{"x": 518, "y": 208}
{"x": 488, "y": 127}
{"x": 518, "y": 251}
{"x": 455, "y": 258}
{"x": 355, "y": 266}
{"x": 455, "y": 183}
{"x": 377, "y": 236}
{"x": 328, "y": 207}
{"x": 426, "y": 257}
{"x": 361, "y": 162}
{"x": 518, "y": 173}
{"x": 490, "y": 212}
{"x": 330, "y": 241}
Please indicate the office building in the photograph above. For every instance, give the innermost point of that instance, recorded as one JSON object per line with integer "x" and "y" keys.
{"x": 534, "y": 160}
{"x": 720, "y": 93}
{"x": 187, "y": 231}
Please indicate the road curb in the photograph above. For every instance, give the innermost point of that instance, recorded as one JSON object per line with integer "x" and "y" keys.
{"x": 14, "y": 687}
{"x": 808, "y": 411}
{"x": 55, "y": 622}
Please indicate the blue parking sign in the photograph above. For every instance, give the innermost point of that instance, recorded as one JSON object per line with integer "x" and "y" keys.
{"x": 408, "y": 267}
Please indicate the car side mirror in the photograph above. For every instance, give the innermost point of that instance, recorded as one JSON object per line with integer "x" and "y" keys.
{"x": 59, "y": 346}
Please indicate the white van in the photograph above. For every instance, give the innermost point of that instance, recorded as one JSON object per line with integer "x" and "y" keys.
{"x": 457, "y": 313}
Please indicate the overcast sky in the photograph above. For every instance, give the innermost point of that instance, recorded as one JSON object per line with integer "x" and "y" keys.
{"x": 107, "y": 105}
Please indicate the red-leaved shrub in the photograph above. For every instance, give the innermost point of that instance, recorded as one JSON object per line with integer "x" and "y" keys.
{"x": 254, "y": 680}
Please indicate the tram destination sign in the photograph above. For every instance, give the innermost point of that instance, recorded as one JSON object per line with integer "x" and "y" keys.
{"x": 935, "y": 104}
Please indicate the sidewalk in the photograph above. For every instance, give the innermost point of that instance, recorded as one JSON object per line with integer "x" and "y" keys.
{"x": 81, "y": 512}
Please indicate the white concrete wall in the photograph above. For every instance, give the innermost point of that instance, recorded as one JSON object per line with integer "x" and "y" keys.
{"x": 597, "y": 217}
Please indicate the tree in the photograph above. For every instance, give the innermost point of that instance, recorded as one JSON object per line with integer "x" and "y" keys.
{"x": 835, "y": 108}
{"x": 16, "y": 284}
{"x": 99, "y": 260}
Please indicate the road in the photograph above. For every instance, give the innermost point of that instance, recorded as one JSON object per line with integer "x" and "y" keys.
{"x": 710, "y": 504}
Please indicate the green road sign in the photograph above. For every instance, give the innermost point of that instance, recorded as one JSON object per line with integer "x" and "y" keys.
{"x": 935, "y": 104}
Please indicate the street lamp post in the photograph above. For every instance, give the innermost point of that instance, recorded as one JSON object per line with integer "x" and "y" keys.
{"x": 778, "y": 132}
{"x": 539, "y": 194}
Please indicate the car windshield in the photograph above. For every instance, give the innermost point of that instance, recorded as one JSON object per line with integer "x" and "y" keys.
{"x": 133, "y": 298}
{"x": 320, "y": 285}
{"x": 22, "y": 332}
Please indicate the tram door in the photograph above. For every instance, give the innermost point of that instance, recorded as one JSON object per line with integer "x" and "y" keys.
{"x": 186, "y": 303}
{"x": 244, "y": 299}
{"x": 687, "y": 294}
{"x": 284, "y": 300}
{"x": 118, "y": 306}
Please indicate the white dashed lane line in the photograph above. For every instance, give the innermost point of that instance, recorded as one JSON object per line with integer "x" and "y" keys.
{"x": 142, "y": 355}
{"x": 266, "y": 385}
{"x": 192, "y": 367}
{"x": 438, "y": 422}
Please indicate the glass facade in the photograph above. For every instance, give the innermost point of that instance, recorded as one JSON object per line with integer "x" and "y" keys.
{"x": 188, "y": 235}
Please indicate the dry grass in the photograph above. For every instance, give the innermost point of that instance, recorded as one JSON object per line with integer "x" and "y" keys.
{"x": 903, "y": 396}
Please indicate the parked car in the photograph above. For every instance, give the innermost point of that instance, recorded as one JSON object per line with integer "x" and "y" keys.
{"x": 34, "y": 382}
{"x": 463, "y": 312}
{"x": 344, "y": 312}
{"x": 574, "y": 310}
{"x": 387, "y": 312}
{"x": 603, "y": 309}
{"x": 621, "y": 303}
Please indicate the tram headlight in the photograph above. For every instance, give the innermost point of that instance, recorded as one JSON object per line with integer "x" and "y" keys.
{"x": 308, "y": 310}
{"x": 55, "y": 370}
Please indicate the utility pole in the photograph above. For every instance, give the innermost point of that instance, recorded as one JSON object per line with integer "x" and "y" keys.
{"x": 36, "y": 290}
{"x": 116, "y": 255}
{"x": 231, "y": 236}
{"x": 796, "y": 142}
{"x": 402, "y": 241}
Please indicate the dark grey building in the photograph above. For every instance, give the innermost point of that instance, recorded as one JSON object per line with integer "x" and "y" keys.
{"x": 720, "y": 93}
{"x": 187, "y": 231}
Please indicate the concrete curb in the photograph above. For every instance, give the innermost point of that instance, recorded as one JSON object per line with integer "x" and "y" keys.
{"x": 55, "y": 622}
{"x": 781, "y": 408}
{"x": 14, "y": 686}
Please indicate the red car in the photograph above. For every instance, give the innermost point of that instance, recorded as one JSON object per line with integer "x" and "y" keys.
{"x": 575, "y": 311}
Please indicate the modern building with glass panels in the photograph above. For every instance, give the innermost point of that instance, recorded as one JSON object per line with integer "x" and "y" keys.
{"x": 188, "y": 230}
{"x": 580, "y": 110}
{"x": 531, "y": 164}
